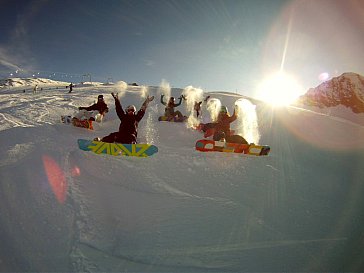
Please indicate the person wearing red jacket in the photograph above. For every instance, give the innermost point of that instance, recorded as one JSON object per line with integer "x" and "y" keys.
{"x": 221, "y": 127}
{"x": 129, "y": 121}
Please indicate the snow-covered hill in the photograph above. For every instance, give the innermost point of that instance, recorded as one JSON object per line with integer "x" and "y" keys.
{"x": 63, "y": 209}
{"x": 26, "y": 82}
{"x": 341, "y": 96}
{"x": 346, "y": 90}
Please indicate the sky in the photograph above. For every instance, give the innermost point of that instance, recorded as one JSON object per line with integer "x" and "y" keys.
{"x": 235, "y": 46}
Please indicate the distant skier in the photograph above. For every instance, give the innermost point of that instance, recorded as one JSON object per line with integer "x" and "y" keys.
{"x": 129, "y": 120}
{"x": 221, "y": 128}
{"x": 70, "y": 87}
{"x": 94, "y": 112}
{"x": 169, "y": 112}
{"x": 35, "y": 89}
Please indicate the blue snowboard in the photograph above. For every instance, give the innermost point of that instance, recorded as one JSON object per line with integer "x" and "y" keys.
{"x": 117, "y": 149}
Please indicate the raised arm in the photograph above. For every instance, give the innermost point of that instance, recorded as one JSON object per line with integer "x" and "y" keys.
{"x": 162, "y": 96}
{"x": 119, "y": 109}
{"x": 142, "y": 109}
{"x": 233, "y": 117}
{"x": 180, "y": 101}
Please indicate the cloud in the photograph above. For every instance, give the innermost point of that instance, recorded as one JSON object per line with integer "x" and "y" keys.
{"x": 16, "y": 53}
{"x": 6, "y": 62}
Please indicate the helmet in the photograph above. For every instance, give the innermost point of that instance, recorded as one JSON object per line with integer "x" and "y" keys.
{"x": 223, "y": 109}
{"x": 130, "y": 108}
{"x": 100, "y": 97}
{"x": 171, "y": 98}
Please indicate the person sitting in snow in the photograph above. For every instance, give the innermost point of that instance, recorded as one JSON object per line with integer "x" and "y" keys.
{"x": 221, "y": 128}
{"x": 128, "y": 129}
{"x": 95, "y": 111}
{"x": 169, "y": 110}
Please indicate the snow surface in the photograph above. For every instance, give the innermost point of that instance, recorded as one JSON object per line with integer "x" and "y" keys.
{"x": 63, "y": 209}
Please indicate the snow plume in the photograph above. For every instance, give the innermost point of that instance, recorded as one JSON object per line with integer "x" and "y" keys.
{"x": 149, "y": 131}
{"x": 165, "y": 89}
{"x": 247, "y": 120}
{"x": 192, "y": 95}
{"x": 213, "y": 106}
{"x": 120, "y": 88}
{"x": 144, "y": 92}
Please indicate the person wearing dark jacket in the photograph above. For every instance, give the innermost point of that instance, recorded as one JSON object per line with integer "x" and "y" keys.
{"x": 129, "y": 120}
{"x": 70, "y": 87}
{"x": 100, "y": 106}
{"x": 169, "y": 110}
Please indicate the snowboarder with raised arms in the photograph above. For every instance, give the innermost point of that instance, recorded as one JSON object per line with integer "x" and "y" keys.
{"x": 129, "y": 120}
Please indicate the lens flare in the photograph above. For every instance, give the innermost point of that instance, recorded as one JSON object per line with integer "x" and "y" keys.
{"x": 324, "y": 76}
{"x": 279, "y": 89}
{"x": 56, "y": 178}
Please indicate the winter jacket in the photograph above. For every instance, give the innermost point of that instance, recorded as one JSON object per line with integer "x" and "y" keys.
{"x": 100, "y": 106}
{"x": 128, "y": 129}
{"x": 223, "y": 123}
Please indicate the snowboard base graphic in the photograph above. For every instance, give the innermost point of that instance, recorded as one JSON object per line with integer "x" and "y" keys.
{"x": 117, "y": 149}
{"x": 207, "y": 145}
{"x": 175, "y": 119}
{"x": 78, "y": 123}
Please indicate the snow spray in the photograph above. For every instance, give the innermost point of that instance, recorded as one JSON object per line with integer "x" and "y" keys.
{"x": 144, "y": 92}
{"x": 193, "y": 95}
{"x": 247, "y": 121}
{"x": 213, "y": 107}
{"x": 165, "y": 89}
{"x": 120, "y": 88}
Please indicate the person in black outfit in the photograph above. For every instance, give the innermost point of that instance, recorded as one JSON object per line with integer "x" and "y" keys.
{"x": 71, "y": 87}
{"x": 100, "y": 106}
{"x": 128, "y": 129}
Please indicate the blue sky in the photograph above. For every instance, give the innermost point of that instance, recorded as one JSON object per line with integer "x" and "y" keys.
{"x": 214, "y": 45}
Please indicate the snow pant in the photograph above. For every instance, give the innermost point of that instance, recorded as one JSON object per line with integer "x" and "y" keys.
{"x": 230, "y": 139}
{"x": 172, "y": 115}
{"x": 83, "y": 114}
{"x": 120, "y": 138}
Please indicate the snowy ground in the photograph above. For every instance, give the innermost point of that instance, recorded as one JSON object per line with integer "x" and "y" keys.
{"x": 63, "y": 209}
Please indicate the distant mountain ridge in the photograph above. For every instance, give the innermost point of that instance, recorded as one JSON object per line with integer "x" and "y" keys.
{"x": 346, "y": 90}
{"x": 20, "y": 82}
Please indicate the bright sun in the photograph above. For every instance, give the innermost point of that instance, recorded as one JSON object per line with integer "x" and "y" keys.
{"x": 279, "y": 89}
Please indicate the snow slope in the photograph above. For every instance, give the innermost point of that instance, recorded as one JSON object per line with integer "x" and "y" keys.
{"x": 63, "y": 209}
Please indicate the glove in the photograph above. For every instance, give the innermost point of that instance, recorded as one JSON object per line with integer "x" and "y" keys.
{"x": 80, "y": 108}
{"x": 236, "y": 110}
{"x": 115, "y": 96}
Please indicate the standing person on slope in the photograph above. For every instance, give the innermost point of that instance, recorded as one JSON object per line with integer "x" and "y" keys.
{"x": 129, "y": 120}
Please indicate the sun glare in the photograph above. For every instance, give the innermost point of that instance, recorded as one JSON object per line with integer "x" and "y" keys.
{"x": 279, "y": 89}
